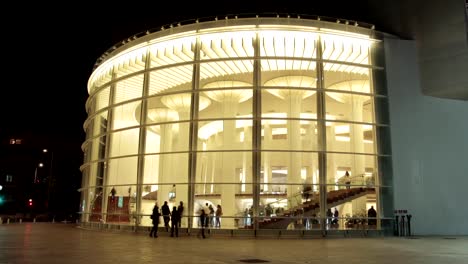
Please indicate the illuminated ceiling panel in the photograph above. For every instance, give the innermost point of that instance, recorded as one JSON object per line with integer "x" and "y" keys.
{"x": 129, "y": 89}
{"x": 345, "y": 49}
{"x": 290, "y": 47}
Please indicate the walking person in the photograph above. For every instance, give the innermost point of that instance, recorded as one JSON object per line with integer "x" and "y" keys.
{"x": 175, "y": 219}
{"x": 180, "y": 210}
{"x": 166, "y": 212}
{"x": 155, "y": 219}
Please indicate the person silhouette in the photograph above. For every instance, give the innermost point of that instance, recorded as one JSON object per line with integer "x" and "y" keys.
{"x": 175, "y": 219}
{"x": 335, "y": 217}
{"x": 166, "y": 212}
{"x": 155, "y": 220}
{"x": 347, "y": 181}
{"x": 372, "y": 214}
{"x": 180, "y": 210}
{"x": 219, "y": 213}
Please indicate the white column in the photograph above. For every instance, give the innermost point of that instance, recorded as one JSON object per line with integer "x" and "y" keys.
{"x": 357, "y": 136}
{"x": 267, "y": 138}
{"x": 295, "y": 158}
{"x": 331, "y": 164}
{"x": 228, "y": 164}
{"x": 165, "y": 165}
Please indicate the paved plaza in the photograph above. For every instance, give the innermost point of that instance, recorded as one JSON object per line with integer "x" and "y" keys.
{"x": 68, "y": 243}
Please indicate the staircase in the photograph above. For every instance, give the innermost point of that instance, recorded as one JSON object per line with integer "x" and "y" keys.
{"x": 334, "y": 198}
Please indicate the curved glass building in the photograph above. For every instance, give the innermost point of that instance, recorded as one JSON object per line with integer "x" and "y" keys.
{"x": 277, "y": 120}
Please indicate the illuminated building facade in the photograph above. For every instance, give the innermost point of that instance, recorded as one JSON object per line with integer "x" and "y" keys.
{"x": 263, "y": 116}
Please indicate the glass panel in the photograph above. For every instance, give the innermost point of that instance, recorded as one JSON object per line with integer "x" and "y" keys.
{"x": 345, "y": 137}
{"x": 292, "y": 179}
{"x": 289, "y": 134}
{"x": 226, "y": 104}
{"x": 162, "y": 172}
{"x": 357, "y": 108}
{"x": 99, "y": 124}
{"x": 378, "y": 54}
{"x": 159, "y": 113}
{"x": 290, "y": 103}
{"x": 129, "y": 62}
{"x": 345, "y": 171}
{"x": 275, "y": 43}
{"x": 351, "y": 193}
{"x": 226, "y": 74}
{"x": 383, "y": 140}
{"x": 225, "y": 134}
{"x": 128, "y": 89}
{"x": 98, "y": 149}
{"x": 172, "y": 51}
{"x": 380, "y": 82}
{"x": 95, "y": 191}
{"x": 127, "y": 115}
{"x": 124, "y": 142}
{"x": 382, "y": 114}
{"x": 289, "y": 190}
{"x": 299, "y": 212}
{"x": 357, "y": 81}
{"x": 120, "y": 204}
{"x": 168, "y": 137}
{"x": 169, "y": 108}
{"x": 386, "y": 214}
{"x": 228, "y": 45}
{"x": 101, "y": 76}
{"x": 289, "y": 73}
{"x": 121, "y": 172}
{"x": 102, "y": 99}
{"x": 224, "y": 178}
{"x": 344, "y": 49}
{"x": 173, "y": 79}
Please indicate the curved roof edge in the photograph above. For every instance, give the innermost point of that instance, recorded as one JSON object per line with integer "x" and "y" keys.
{"x": 236, "y": 20}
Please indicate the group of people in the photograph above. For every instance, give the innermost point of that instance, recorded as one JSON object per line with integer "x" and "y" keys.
{"x": 174, "y": 216}
{"x": 333, "y": 217}
{"x": 208, "y": 218}
{"x": 207, "y": 213}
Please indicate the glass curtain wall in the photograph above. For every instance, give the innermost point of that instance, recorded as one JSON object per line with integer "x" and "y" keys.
{"x": 274, "y": 127}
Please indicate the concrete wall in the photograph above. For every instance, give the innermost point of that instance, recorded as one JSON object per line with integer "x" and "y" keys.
{"x": 429, "y": 148}
{"x": 440, "y": 29}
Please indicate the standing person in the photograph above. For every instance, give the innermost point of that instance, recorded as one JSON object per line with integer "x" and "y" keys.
{"x": 329, "y": 217}
{"x": 175, "y": 219}
{"x": 372, "y": 214}
{"x": 166, "y": 212}
{"x": 180, "y": 210}
{"x": 219, "y": 213}
{"x": 155, "y": 219}
{"x": 203, "y": 217}
{"x": 206, "y": 211}
{"x": 335, "y": 216}
{"x": 212, "y": 215}
{"x": 347, "y": 180}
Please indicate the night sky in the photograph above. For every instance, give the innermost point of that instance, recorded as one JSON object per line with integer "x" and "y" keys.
{"x": 49, "y": 51}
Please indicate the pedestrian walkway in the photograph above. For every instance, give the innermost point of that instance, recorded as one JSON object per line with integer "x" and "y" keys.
{"x": 67, "y": 243}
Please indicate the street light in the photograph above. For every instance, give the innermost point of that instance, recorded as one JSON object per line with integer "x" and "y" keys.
{"x": 49, "y": 177}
